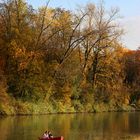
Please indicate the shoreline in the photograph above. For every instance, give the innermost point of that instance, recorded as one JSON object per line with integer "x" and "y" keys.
{"x": 127, "y": 108}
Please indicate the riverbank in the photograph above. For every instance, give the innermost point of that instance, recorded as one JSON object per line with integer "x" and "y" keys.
{"x": 18, "y": 107}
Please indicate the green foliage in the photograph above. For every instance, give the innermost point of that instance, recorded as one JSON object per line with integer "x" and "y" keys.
{"x": 5, "y": 100}
{"x": 78, "y": 106}
{"x": 101, "y": 107}
{"x": 89, "y": 107}
{"x": 32, "y": 108}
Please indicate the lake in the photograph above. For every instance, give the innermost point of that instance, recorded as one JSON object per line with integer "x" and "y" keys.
{"x": 100, "y": 126}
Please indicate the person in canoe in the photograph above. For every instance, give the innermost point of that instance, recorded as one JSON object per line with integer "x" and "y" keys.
{"x": 50, "y": 134}
{"x": 45, "y": 135}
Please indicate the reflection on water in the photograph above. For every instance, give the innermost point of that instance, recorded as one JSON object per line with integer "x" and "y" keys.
{"x": 102, "y": 126}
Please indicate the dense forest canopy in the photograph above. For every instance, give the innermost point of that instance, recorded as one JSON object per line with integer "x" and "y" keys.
{"x": 68, "y": 61}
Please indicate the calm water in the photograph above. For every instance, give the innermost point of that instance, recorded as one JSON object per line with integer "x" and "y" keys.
{"x": 102, "y": 126}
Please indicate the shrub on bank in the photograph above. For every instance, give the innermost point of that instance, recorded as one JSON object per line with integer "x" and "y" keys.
{"x": 19, "y": 107}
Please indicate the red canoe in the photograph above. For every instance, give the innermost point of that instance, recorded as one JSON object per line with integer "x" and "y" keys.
{"x": 55, "y": 138}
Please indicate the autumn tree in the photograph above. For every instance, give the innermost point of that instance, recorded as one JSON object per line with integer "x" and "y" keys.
{"x": 132, "y": 73}
{"x": 21, "y": 61}
{"x": 101, "y": 65}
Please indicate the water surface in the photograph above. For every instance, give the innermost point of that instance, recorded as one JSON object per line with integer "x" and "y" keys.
{"x": 101, "y": 126}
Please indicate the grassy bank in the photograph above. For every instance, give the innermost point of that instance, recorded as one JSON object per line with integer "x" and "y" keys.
{"x": 18, "y": 107}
